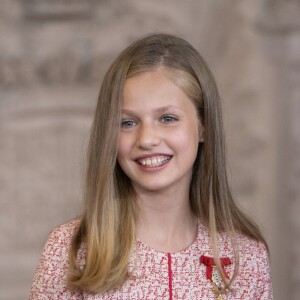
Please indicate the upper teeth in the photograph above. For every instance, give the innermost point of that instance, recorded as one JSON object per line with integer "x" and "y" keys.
{"x": 156, "y": 161}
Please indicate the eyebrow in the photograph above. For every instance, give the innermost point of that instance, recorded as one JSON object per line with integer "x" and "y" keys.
{"x": 158, "y": 110}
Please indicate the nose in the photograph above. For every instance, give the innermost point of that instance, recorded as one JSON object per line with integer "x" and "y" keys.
{"x": 148, "y": 136}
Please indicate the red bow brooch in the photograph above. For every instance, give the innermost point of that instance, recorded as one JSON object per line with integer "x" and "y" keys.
{"x": 213, "y": 275}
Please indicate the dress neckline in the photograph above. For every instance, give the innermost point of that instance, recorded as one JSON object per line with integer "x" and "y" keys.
{"x": 142, "y": 246}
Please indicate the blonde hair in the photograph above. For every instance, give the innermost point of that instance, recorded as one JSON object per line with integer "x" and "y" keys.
{"x": 107, "y": 227}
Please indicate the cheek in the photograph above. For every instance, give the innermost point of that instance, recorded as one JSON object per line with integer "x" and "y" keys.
{"x": 125, "y": 146}
{"x": 121, "y": 148}
{"x": 187, "y": 140}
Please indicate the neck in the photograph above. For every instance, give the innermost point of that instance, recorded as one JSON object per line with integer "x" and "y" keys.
{"x": 165, "y": 222}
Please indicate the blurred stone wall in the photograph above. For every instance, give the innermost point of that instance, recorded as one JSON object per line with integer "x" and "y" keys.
{"x": 53, "y": 54}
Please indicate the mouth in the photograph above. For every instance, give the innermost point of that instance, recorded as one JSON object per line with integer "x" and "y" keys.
{"x": 154, "y": 161}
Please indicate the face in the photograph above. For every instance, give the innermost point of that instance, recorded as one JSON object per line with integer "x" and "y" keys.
{"x": 159, "y": 134}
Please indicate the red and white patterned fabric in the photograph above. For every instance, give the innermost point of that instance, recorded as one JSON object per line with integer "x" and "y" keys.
{"x": 158, "y": 275}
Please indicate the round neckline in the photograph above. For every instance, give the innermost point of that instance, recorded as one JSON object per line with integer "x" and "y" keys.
{"x": 142, "y": 245}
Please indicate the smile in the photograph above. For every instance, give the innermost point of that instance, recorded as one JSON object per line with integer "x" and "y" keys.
{"x": 154, "y": 161}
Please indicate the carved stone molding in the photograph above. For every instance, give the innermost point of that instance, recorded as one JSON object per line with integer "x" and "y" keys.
{"x": 65, "y": 67}
{"x": 57, "y": 9}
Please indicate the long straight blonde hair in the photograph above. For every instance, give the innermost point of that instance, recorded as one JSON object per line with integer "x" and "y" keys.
{"x": 107, "y": 227}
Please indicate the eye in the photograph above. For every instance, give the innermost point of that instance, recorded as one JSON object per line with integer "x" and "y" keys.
{"x": 127, "y": 123}
{"x": 168, "y": 119}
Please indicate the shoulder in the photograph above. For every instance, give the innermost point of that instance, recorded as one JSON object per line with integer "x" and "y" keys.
{"x": 252, "y": 253}
{"x": 252, "y": 250}
{"x": 66, "y": 230}
{"x": 55, "y": 254}
{"x": 246, "y": 246}
{"x": 253, "y": 280}
{"x": 61, "y": 236}
{"x": 254, "y": 261}
{"x": 50, "y": 277}
{"x": 253, "y": 256}
{"x": 254, "y": 276}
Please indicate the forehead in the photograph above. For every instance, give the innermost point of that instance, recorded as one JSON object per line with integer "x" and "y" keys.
{"x": 155, "y": 91}
{"x": 153, "y": 83}
{"x": 172, "y": 73}
{"x": 187, "y": 82}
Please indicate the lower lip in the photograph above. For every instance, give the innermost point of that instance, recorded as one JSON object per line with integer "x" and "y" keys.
{"x": 153, "y": 169}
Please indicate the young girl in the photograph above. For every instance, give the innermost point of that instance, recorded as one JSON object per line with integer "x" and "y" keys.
{"x": 159, "y": 219}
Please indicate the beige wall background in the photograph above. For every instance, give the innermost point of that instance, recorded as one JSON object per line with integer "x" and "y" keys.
{"x": 53, "y": 55}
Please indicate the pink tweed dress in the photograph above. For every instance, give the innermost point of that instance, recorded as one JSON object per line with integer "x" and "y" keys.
{"x": 158, "y": 275}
